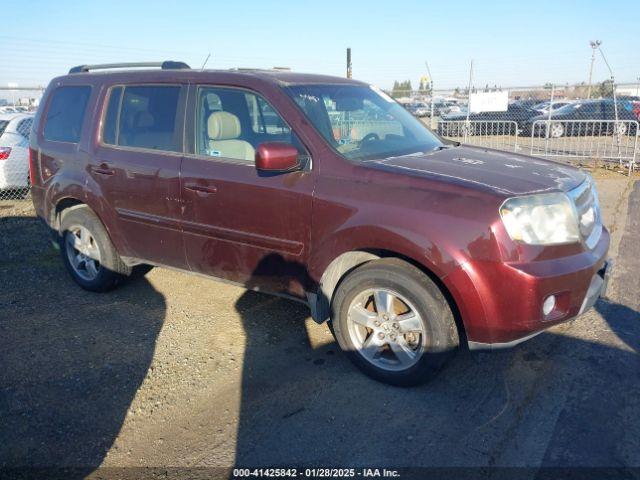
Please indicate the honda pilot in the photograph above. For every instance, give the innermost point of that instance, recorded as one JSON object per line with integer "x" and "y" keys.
{"x": 321, "y": 189}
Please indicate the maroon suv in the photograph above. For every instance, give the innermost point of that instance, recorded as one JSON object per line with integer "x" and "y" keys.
{"x": 322, "y": 189}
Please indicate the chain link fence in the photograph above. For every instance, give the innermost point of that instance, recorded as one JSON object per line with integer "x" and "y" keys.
{"x": 574, "y": 124}
{"x": 17, "y": 110}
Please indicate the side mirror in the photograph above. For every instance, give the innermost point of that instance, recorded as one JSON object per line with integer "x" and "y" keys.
{"x": 277, "y": 157}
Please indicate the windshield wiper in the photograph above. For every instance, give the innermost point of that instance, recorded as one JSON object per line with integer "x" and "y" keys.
{"x": 445, "y": 147}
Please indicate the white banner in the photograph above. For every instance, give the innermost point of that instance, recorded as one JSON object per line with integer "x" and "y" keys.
{"x": 488, "y": 102}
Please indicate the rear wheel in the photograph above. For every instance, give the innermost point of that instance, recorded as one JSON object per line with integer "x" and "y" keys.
{"x": 87, "y": 251}
{"x": 620, "y": 129}
{"x": 393, "y": 322}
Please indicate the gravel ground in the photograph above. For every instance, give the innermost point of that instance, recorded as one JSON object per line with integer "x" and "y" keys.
{"x": 173, "y": 370}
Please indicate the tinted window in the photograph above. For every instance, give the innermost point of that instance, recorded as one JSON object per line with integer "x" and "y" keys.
{"x": 65, "y": 114}
{"x": 111, "y": 119}
{"x": 231, "y": 123}
{"x": 3, "y": 125}
{"x": 146, "y": 119}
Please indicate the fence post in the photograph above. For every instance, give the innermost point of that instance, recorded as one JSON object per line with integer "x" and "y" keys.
{"x": 548, "y": 129}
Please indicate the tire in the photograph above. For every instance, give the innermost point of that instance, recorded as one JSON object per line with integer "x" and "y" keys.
{"x": 433, "y": 336}
{"x": 107, "y": 269}
{"x": 556, "y": 130}
{"x": 620, "y": 129}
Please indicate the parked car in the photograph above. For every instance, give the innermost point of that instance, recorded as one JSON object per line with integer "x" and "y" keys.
{"x": 418, "y": 109}
{"x": 409, "y": 245}
{"x": 588, "y": 117}
{"x": 14, "y": 162}
{"x": 423, "y": 110}
{"x": 544, "y": 107}
{"x": 515, "y": 118}
{"x": 444, "y": 107}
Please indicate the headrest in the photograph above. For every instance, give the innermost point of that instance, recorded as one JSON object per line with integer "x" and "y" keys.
{"x": 223, "y": 126}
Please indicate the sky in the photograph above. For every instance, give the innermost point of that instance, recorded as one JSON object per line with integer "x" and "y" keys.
{"x": 512, "y": 43}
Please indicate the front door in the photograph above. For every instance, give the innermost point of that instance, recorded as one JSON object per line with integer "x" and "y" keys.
{"x": 240, "y": 224}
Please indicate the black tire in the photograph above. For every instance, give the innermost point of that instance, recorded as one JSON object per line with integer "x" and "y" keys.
{"x": 441, "y": 340}
{"x": 112, "y": 271}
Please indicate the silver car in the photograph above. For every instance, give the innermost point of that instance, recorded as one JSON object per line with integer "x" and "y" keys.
{"x": 14, "y": 155}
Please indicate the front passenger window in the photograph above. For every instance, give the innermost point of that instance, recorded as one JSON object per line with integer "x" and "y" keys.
{"x": 231, "y": 123}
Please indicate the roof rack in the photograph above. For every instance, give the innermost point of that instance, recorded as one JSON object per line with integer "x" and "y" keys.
{"x": 166, "y": 65}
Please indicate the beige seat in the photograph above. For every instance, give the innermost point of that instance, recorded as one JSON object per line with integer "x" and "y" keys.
{"x": 223, "y": 130}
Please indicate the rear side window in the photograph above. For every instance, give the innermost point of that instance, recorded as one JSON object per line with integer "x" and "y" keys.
{"x": 65, "y": 114}
{"x": 143, "y": 117}
{"x": 3, "y": 125}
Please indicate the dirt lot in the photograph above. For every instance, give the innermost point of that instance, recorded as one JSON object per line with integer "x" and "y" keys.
{"x": 175, "y": 370}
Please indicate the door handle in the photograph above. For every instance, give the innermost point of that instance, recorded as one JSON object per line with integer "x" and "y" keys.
{"x": 103, "y": 169}
{"x": 206, "y": 190}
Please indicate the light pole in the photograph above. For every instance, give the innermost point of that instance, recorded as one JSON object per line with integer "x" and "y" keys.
{"x": 595, "y": 44}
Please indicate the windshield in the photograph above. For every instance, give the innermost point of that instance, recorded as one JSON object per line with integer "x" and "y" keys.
{"x": 362, "y": 123}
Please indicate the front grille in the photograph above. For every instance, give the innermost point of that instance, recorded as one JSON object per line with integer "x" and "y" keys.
{"x": 585, "y": 199}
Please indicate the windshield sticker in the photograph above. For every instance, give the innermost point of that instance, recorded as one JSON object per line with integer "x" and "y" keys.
{"x": 215, "y": 153}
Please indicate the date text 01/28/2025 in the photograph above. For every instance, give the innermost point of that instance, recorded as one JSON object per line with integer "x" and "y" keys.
{"x": 314, "y": 473}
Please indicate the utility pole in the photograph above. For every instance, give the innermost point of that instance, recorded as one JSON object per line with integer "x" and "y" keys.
{"x": 595, "y": 45}
{"x": 349, "y": 71}
{"x": 431, "y": 119}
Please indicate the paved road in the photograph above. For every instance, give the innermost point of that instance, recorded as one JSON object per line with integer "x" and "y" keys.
{"x": 175, "y": 370}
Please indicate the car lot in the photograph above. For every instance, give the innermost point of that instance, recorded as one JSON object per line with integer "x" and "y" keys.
{"x": 181, "y": 371}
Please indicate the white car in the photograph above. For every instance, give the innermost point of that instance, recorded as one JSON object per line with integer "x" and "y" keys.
{"x": 14, "y": 152}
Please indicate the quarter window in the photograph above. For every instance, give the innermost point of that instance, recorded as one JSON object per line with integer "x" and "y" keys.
{"x": 66, "y": 113}
{"x": 143, "y": 117}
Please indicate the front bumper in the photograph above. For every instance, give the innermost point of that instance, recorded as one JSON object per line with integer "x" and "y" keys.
{"x": 597, "y": 288}
{"x": 501, "y": 303}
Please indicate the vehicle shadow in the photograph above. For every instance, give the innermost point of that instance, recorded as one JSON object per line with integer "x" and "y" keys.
{"x": 557, "y": 401}
{"x": 69, "y": 374}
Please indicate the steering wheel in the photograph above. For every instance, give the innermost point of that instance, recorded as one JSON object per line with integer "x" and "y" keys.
{"x": 370, "y": 137}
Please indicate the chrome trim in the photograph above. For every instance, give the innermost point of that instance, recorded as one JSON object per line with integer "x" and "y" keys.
{"x": 500, "y": 346}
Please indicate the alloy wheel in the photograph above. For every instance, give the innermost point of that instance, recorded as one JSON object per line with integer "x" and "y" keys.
{"x": 386, "y": 329}
{"x": 83, "y": 252}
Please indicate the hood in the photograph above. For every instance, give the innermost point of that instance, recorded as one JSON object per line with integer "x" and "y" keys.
{"x": 500, "y": 172}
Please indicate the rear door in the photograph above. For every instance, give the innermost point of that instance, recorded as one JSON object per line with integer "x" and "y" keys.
{"x": 136, "y": 163}
{"x": 240, "y": 224}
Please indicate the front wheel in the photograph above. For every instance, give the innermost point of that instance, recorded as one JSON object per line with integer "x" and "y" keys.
{"x": 393, "y": 322}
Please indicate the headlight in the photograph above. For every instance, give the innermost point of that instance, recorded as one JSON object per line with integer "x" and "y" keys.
{"x": 546, "y": 219}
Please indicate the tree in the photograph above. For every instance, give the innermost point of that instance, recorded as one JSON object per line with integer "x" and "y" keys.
{"x": 401, "y": 89}
{"x": 605, "y": 89}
